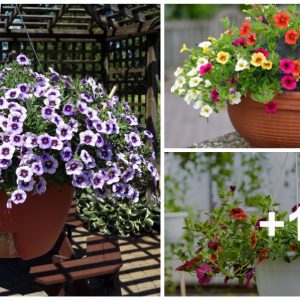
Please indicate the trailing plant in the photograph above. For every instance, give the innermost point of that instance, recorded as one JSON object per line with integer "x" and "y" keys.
{"x": 230, "y": 243}
{"x": 259, "y": 59}
{"x": 111, "y": 216}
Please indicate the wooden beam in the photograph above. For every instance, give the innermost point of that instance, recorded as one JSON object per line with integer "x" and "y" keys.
{"x": 58, "y": 16}
{"x": 13, "y": 15}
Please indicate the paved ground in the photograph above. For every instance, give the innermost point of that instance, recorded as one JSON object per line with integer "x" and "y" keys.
{"x": 184, "y": 126}
{"x": 139, "y": 276}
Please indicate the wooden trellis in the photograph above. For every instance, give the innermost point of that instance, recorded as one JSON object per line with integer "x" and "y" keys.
{"x": 116, "y": 44}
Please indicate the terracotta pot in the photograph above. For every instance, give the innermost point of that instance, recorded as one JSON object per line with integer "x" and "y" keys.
{"x": 31, "y": 229}
{"x": 262, "y": 130}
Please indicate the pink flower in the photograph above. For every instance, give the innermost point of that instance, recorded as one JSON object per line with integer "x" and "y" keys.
{"x": 287, "y": 66}
{"x": 289, "y": 82}
{"x": 239, "y": 42}
{"x": 271, "y": 107}
{"x": 214, "y": 95}
{"x": 203, "y": 274}
{"x": 263, "y": 51}
{"x": 205, "y": 68}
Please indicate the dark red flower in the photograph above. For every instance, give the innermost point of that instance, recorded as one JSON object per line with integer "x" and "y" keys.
{"x": 257, "y": 224}
{"x": 295, "y": 208}
{"x": 189, "y": 264}
{"x": 239, "y": 42}
{"x": 293, "y": 247}
{"x": 262, "y": 255}
{"x": 253, "y": 240}
{"x": 232, "y": 188}
{"x": 238, "y": 214}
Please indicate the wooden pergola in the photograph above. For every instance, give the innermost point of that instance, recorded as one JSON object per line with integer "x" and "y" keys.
{"x": 116, "y": 44}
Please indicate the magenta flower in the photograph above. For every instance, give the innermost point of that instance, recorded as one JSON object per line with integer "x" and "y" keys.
{"x": 203, "y": 274}
{"x": 239, "y": 42}
{"x": 214, "y": 95}
{"x": 289, "y": 82}
{"x": 205, "y": 68}
{"x": 286, "y": 66}
{"x": 271, "y": 107}
{"x": 263, "y": 51}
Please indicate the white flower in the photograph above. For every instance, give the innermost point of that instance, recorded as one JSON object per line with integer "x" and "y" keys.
{"x": 189, "y": 97}
{"x": 180, "y": 81}
{"x": 192, "y": 72}
{"x": 181, "y": 92}
{"x": 174, "y": 88}
{"x": 207, "y": 83}
{"x": 206, "y": 111}
{"x": 241, "y": 64}
{"x": 201, "y": 62}
{"x": 178, "y": 71}
{"x": 197, "y": 104}
{"x": 235, "y": 98}
{"x": 205, "y": 44}
{"x": 195, "y": 81}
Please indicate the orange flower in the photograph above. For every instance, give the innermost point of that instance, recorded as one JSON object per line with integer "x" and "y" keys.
{"x": 253, "y": 240}
{"x": 213, "y": 257}
{"x": 282, "y": 20}
{"x": 296, "y": 71}
{"x": 251, "y": 39}
{"x": 262, "y": 255}
{"x": 245, "y": 28}
{"x": 291, "y": 37}
{"x": 238, "y": 214}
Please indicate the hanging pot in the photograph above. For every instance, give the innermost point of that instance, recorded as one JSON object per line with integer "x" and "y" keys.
{"x": 278, "y": 278}
{"x": 31, "y": 229}
{"x": 278, "y": 130}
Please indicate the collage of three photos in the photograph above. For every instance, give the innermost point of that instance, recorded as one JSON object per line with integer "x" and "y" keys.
{"x": 126, "y": 166}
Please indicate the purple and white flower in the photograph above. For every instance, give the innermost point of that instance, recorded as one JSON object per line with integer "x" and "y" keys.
{"x": 5, "y": 163}
{"x": 131, "y": 120}
{"x": 148, "y": 134}
{"x": 66, "y": 154}
{"x": 57, "y": 119}
{"x": 30, "y": 140}
{"x": 37, "y": 168}
{"x": 64, "y": 132}
{"x": 102, "y": 193}
{"x": 25, "y": 186}
{"x": 23, "y": 60}
{"x": 74, "y": 167}
{"x": 18, "y": 197}
{"x": 44, "y": 141}
{"x": 121, "y": 157}
{"x": 4, "y": 123}
{"x": 86, "y": 97}
{"x": 18, "y": 115}
{"x": 128, "y": 175}
{"x": 133, "y": 139}
{"x": 47, "y": 112}
{"x": 17, "y": 140}
{"x": 105, "y": 153}
{"x": 40, "y": 187}
{"x": 86, "y": 157}
{"x": 6, "y": 137}
{"x": 24, "y": 88}
{"x": 50, "y": 164}
{"x": 73, "y": 124}
{"x": 88, "y": 137}
{"x": 119, "y": 189}
{"x": 15, "y": 127}
{"x": 24, "y": 173}
{"x": 3, "y": 103}
{"x": 100, "y": 141}
{"x": 81, "y": 180}
{"x": 53, "y": 92}
{"x": 113, "y": 175}
{"x": 56, "y": 143}
{"x": 82, "y": 107}
{"x": 91, "y": 114}
{"x": 7, "y": 151}
{"x": 12, "y": 94}
{"x": 68, "y": 109}
{"x": 98, "y": 179}
{"x": 52, "y": 102}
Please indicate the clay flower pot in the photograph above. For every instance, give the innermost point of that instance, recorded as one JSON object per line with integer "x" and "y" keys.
{"x": 31, "y": 229}
{"x": 262, "y": 130}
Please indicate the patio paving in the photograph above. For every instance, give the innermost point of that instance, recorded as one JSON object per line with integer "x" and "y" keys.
{"x": 139, "y": 276}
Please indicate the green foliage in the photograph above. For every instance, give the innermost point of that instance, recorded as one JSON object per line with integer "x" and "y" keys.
{"x": 118, "y": 216}
{"x": 232, "y": 242}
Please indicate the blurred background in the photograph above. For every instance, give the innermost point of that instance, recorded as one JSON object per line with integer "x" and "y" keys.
{"x": 192, "y": 183}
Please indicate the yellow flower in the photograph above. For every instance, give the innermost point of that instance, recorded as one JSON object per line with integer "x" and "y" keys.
{"x": 212, "y": 39}
{"x": 205, "y": 50}
{"x": 184, "y": 48}
{"x": 223, "y": 57}
{"x": 257, "y": 59}
{"x": 266, "y": 64}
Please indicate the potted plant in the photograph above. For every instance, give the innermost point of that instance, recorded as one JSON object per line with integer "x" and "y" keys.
{"x": 234, "y": 245}
{"x": 253, "y": 70}
{"x": 58, "y": 135}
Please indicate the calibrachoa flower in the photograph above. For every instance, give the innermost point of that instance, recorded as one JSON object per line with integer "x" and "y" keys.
{"x": 289, "y": 82}
{"x": 271, "y": 107}
{"x": 286, "y": 66}
{"x": 291, "y": 37}
{"x": 203, "y": 273}
{"x": 65, "y": 131}
{"x": 282, "y": 20}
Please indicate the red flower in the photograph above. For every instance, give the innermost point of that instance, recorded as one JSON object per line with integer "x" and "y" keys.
{"x": 214, "y": 95}
{"x": 262, "y": 255}
{"x": 291, "y": 37}
{"x": 238, "y": 214}
{"x": 203, "y": 274}
{"x": 282, "y": 20}
{"x": 253, "y": 240}
{"x": 263, "y": 51}
{"x": 245, "y": 29}
{"x": 205, "y": 68}
{"x": 251, "y": 39}
{"x": 189, "y": 264}
{"x": 271, "y": 107}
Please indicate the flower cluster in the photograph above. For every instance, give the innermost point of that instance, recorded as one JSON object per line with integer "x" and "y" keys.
{"x": 55, "y": 130}
{"x": 259, "y": 59}
{"x": 231, "y": 242}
